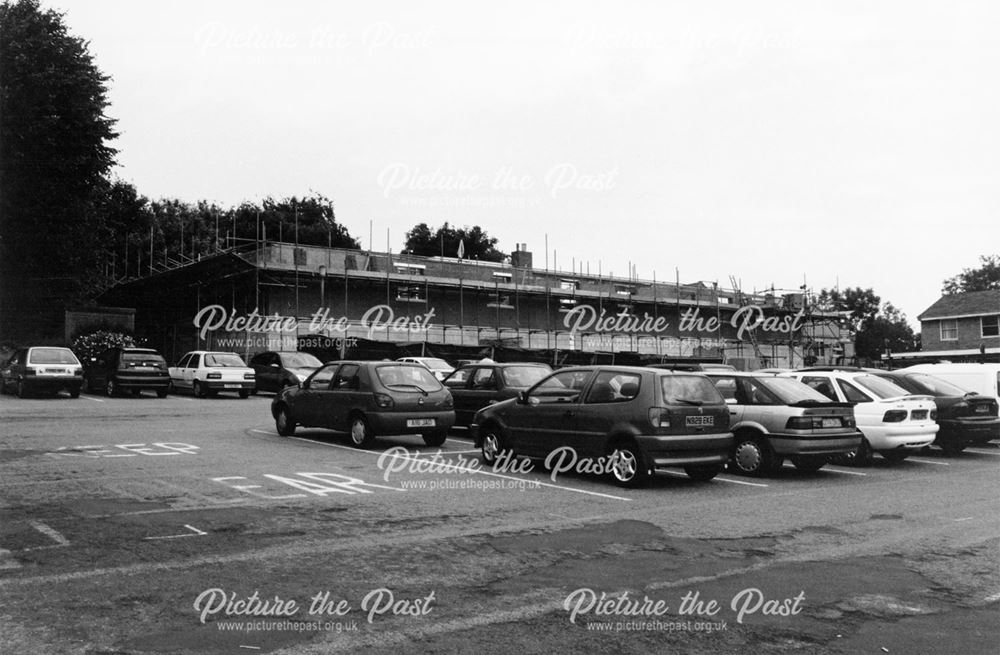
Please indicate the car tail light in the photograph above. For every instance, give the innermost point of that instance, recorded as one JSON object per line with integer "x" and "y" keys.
{"x": 804, "y": 423}
{"x": 78, "y": 372}
{"x": 894, "y": 416}
{"x": 659, "y": 417}
{"x": 214, "y": 376}
{"x": 933, "y": 414}
{"x": 249, "y": 376}
{"x": 383, "y": 401}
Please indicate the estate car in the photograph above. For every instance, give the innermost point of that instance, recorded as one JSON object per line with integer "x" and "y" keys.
{"x": 42, "y": 369}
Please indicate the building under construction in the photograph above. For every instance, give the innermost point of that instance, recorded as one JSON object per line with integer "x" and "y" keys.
{"x": 339, "y": 303}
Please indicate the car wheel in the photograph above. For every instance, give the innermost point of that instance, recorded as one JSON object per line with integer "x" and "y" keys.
{"x": 894, "y": 455}
{"x": 628, "y": 469}
{"x": 199, "y": 391}
{"x": 809, "y": 464}
{"x": 702, "y": 473}
{"x": 111, "y": 389}
{"x": 435, "y": 438}
{"x": 162, "y": 393}
{"x": 284, "y": 423}
{"x": 752, "y": 457}
{"x": 860, "y": 456}
{"x": 74, "y": 393}
{"x": 22, "y": 389}
{"x": 493, "y": 445}
{"x": 136, "y": 393}
{"x": 171, "y": 389}
{"x": 361, "y": 432}
{"x": 244, "y": 393}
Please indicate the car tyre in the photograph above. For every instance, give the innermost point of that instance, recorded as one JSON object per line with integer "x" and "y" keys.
{"x": 493, "y": 445}
{"x": 860, "y": 456}
{"x": 436, "y": 438}
{"x": 199, "y": 391}
{"x": 74, "y": 393}
{"x": 162, "y": 393}
{"x": 702, "y": 473}
{"x": 361, "y": 432}
{"x": 22, "y": 389}
{"x": 284, "y": 423}
{"x": 809, "y": 464}
{"x": 244, "y": 393}
{"x": 111, "y": 389}
{"x": 627, "y": 466}
{"x": 752, "y": 457}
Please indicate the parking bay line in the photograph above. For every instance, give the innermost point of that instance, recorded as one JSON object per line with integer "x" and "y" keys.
{"x": 495, "y": 475}
{"x": 833, "y": 470}
{"x": 927, "y": 461}
{"x": 96, "y": 400}
{"x": 982, "y": 452}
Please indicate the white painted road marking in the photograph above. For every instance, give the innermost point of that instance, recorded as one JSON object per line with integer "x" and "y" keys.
{"x": 833, "y": 470}
{"x": 96, "y": 400}
{"x": 982, "y": 452}
{"x": 496, "y": 475}
{"x": 749, "y": 484}
{"x": 927, "y": 461}
{"x": 195, "y": 532}
{"x": 49, "y": 532}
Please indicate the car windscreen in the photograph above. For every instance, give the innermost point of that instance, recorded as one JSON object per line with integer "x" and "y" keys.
{"x": 791, "y": 391}
{"x": 406, "y": 378}
{"x": 523, "y": 376}
{"x": 224, "y": 360}
{"x": 689, "y": 390}
{"x": 881, "y": 387}
{"x": 300, "y": 360}
{"x": 132, "y": 360}
{"x": 923, "y": 383}
{"x": 52, "y": 356}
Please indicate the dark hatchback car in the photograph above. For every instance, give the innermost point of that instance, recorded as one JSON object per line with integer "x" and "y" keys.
{"x": 478, "y": 385}
{"x": 276, "y": 370}
{"x": 119, "y": 370}
{"x": 964, "y": 418}
{"x": 368, "y": 399}
{"x": 636, "y": 420}
{"x": 42, "y": 369}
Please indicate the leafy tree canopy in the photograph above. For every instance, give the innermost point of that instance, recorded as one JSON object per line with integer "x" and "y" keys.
{"x": 984, "y": 278}
{"x": 877, "y": 326}
{"x": 445, "y": 240}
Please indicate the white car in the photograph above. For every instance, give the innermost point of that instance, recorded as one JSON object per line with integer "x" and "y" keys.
{"x": 205, "y": 373}
{"x": 440, "y": 368}
{"x": 894, "y": 422}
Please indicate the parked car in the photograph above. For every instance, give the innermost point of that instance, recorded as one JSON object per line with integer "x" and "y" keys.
{"x": 637, "y": 419}
{"x": 279, "y": 369}
{"x": 774, "y": 419}
{"x": 440, "y": 368}
{"x": 964, "y": 418}
{"x": 366, "y": 400}
{"x": 205, "y": 373}
{"x": 119, "y": 370}
{"x": 981, "y": 378}
{"x": 42, "y": 369}
{"x": 894, "y": 422}
{"x": 478, "y": 385}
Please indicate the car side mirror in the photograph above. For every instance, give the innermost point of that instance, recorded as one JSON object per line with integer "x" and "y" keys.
{"x": 305, "y": 384}
{"x": 522, "y": 397}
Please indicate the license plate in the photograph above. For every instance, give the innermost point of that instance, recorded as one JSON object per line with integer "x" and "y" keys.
{"x": 982, "y": 409}
{"x": 54, "y": 371}
{"x": 699, "y": 420}
{"x": 831, "y": 423}
{"x": 420, "y": 423}
{"x": 233, "y": 386}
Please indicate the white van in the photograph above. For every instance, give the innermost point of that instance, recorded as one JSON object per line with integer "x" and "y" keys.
{"x": 981, "y": 378}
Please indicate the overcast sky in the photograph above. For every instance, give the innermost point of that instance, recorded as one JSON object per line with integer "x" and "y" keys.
{"x": 775, "y": 142}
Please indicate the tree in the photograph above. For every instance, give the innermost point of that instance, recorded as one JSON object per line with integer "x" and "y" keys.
{"x": 986, "y": 277}
{"x": 477, "y": 244}
{"x": 54, "y": 158}
{"x": 877, "y": 327}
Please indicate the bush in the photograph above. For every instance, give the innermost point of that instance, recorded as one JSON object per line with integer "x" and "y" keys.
{"x": 93, "y": 343}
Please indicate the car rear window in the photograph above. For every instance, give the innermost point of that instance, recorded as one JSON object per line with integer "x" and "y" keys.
{"x": 52, "y": 356}
{"x": 791, "y": 391}
{"x": 143, "y": 359}
{"x": 881, "y": 387}
{"x": 934, "y": 386}
{"x": 224, "y": 360}
{"x": 523, "y": 376}
{"x": 406, "y": 378}
{"x": 689, "y": 390}
{"x": 300, "y": 360}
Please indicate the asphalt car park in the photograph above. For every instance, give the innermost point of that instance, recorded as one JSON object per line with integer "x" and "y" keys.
{"x": 118, "y": 513}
